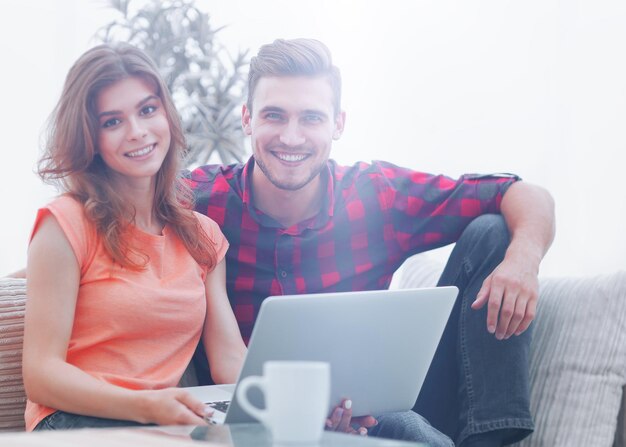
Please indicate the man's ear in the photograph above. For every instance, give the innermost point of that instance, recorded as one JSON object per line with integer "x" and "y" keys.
{"x": 245, "y": 120}
{"x": 340, "y": 122}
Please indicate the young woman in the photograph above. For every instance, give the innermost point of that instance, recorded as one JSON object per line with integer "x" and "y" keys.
{"x": 123, "y": 278}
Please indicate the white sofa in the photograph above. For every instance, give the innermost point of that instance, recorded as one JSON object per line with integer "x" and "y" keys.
{"x": 578, "y": 364}
{"x": 578, "y": 356}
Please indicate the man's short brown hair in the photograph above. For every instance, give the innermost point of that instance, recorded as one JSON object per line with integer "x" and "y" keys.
{"x": 295, "y": 57}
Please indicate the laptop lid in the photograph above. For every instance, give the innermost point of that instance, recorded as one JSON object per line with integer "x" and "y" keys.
{"x": 379, "y": 343}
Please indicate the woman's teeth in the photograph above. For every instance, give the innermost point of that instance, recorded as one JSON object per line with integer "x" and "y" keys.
{"x": 140, "y": 152}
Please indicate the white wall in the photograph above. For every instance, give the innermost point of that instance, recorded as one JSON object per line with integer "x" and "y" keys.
{"x": 536, "y": 87}
{"x": 39, "y": 40}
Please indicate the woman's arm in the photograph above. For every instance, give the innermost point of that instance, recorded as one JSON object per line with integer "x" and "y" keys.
{"x": 222, "y": 340}
{"x": 18, "y": 274}
{"x": 52, "y": 290}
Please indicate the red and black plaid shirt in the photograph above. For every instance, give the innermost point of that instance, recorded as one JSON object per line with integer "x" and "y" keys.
{"x": 373, "y": 218}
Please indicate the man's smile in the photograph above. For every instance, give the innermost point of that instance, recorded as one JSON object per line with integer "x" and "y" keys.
{"x": 290, "y": 157}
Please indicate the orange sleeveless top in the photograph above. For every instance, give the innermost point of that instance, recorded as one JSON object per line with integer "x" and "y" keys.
{"x": 133, "y": 329}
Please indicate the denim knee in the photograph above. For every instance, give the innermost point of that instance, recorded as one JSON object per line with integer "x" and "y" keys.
{"x": 61, "y": 420}
{"x": 409, "y": 426}
{"x": 487, "y": 233}
{"x": 479, "y": 249}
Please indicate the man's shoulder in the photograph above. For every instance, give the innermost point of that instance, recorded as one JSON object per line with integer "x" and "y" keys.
{"x": 385, "y": 171}
{"x": 363, "y": 168}
{"x": 215, "y": 180}
{"x": 373, "y": 171}
{"x": 211, "y": 173}
{"x": 213, "y": 186}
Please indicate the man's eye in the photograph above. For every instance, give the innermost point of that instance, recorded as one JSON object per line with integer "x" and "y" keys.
{"x": 111, "y": 122}
{"x": 147, "y": 110}
{"x": 273, "y": 116}
{"x": 313, "y": 118}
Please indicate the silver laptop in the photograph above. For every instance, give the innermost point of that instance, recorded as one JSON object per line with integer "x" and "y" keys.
{"x": 379, "y": 344}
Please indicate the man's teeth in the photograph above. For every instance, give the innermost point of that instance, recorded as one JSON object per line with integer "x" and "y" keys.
{"x": 291, "y": 157}
{"x": 140, "y": 152}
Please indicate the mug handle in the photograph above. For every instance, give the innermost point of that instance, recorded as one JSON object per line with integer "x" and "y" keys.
{"x": 242, "y": 397}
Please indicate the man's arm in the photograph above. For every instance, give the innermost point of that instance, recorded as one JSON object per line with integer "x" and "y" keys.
{"x": 512, "y": 289}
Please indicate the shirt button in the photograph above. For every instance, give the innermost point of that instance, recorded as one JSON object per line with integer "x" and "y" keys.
{"x": 283, "y": 273}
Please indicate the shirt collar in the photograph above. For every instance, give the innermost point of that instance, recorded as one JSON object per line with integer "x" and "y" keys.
{"x": 246, "y": 181}
{"x": 319, "y": 220}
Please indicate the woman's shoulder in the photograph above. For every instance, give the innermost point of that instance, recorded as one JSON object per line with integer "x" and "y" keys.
{"x": 206, "y": 222}
{"x": 67, "y": 205}
{"x": 70, "y": 215}
{"x": 67, "y": 210}
{"x": 214, "y": 233}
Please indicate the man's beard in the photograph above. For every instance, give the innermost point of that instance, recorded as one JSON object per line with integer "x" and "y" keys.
{"x": 285, "y": 185}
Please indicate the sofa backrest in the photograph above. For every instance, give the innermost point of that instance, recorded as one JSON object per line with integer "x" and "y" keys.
{"x": 12, "y": 395}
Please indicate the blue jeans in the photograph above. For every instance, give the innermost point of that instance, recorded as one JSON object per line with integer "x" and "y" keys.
{"x": 476, "y": 383}
{"x": 60, "y": 420}
{"x": 409, "y": 426}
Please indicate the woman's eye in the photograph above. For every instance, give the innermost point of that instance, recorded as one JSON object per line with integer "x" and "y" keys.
{"x": 147, "y": 110}
{"x": 111, "y": 122}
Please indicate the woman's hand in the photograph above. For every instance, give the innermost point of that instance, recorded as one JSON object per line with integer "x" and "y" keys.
{"x": 341, "y": 420}
{"x": 172, "y": 406}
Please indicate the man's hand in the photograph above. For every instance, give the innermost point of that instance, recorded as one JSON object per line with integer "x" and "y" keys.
{"x": 341, "y": 420}
{"x": 513, "y": 287}
{"x": 511, "y": 292}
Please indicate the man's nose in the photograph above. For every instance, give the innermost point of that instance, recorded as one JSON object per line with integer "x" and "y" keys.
{"x": 291, "y": 134}
{"x": 136, "y": 129}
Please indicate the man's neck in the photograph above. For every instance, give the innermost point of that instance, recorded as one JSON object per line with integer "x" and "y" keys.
{"x": 285, "y": 206}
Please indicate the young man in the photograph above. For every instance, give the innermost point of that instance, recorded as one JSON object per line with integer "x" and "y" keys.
{"x": 299, "y": 223}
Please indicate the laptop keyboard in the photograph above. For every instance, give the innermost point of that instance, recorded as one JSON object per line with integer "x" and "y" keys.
{"x": 220, "y": 405}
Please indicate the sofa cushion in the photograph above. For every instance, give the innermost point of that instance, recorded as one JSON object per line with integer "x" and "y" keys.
{"x": 578, "y": 355}
{"x": 12, "y": 396}
{"x": 578, "y": 360}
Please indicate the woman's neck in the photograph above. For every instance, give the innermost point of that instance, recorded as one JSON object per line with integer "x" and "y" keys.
{"x": 140, "y": 197}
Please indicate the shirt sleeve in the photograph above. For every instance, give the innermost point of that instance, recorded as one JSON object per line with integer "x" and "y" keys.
{"x": 429, "y": 211}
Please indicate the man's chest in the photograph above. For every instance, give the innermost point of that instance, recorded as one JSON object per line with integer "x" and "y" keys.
{"x": 334, "y": 258}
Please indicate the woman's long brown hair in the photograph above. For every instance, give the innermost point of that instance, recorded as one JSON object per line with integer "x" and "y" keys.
{"x": 71, "y": 160}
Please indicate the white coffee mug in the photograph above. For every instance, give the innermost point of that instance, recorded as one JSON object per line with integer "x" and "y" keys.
{"x": 297, "y": 396}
